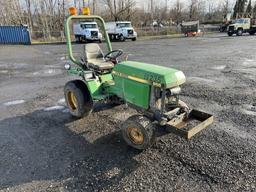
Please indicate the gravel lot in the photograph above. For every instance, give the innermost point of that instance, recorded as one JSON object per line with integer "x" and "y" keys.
{"x": 42, "y": 148}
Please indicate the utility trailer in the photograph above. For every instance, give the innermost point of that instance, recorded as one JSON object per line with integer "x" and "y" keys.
{"x": 190, "y": 28}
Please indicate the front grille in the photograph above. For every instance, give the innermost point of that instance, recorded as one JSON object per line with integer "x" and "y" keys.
{"x": 94, "y": 34}
{"x": 130, "y": 32}
{"x": 231, "y": 28}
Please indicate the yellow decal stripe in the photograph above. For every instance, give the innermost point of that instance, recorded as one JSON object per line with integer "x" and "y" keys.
{"x": 136, "y": 79}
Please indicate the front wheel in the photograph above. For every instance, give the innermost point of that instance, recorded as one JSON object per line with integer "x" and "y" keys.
{"x": 78, "y": 99}
{"x": 138, "y": 132}
{"x": 134, "y": 39}
{"x": 78, "y": 39}
{"x": 230, "y": 34}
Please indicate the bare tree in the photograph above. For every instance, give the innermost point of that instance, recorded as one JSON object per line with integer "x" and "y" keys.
{"x": 176, "y": 11}
{"x": 121, "y": 9}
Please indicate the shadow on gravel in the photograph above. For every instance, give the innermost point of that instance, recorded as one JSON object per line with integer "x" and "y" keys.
{"x": 41, "y": 147}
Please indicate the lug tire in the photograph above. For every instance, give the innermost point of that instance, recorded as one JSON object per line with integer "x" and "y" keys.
{"x": 138, "y": 132}
{"x": 78, "y": 99}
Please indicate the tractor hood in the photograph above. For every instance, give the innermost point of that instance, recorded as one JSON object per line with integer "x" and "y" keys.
{"x": 150, "y": 74}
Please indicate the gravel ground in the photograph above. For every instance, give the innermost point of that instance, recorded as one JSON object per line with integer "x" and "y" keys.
{"x": 42, "y": 148}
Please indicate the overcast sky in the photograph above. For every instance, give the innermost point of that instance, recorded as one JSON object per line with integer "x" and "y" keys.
{"x": 145, "y": 3}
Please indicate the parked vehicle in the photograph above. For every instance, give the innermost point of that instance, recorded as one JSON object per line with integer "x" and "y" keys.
{"x": 242, "y": 25}
{"x": 121, "y": 30}
{"x": 227, "y": 20}
{"x": 190, "y": 28}
{"x": 87, "y": 31}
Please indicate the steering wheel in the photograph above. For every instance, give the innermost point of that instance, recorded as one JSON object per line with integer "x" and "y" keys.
{"x": 113, "y": 55}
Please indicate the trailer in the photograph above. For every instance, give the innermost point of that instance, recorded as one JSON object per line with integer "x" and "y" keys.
{"x": 190, "y": 28}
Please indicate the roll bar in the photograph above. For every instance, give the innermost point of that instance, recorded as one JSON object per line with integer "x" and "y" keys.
{"x": 68, "y": 38}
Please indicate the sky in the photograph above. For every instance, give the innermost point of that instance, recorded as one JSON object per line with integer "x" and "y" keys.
{"x": 145, "y": 3}
{"x": 170, "y": 2}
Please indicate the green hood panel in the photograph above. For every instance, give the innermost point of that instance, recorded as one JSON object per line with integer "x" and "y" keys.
{"x": 150, "y": 73}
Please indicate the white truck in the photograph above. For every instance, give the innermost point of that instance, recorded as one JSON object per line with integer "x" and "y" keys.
{"x": 121, "y": 30}
{"x": 87, "y": 31}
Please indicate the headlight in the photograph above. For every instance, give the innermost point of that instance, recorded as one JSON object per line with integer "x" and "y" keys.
{"x": 88, "y": 75}
{"x": 67, "y": 66}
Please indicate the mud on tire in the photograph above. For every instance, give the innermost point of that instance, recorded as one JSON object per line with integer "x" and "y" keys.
{"x": 138, "y": 132}
{"x": 78, "y": 98}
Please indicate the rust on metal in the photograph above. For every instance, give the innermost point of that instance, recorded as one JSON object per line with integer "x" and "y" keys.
{"x": 179, "y": 125}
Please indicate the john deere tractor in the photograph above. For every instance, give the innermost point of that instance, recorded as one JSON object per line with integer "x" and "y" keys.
{"x": 150, "y": 89}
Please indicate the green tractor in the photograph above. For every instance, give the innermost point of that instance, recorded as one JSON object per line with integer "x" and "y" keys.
{"x": 150, "y": 89}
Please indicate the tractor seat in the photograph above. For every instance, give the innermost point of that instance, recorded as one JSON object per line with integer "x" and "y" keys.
{"x": 95, "y": 58}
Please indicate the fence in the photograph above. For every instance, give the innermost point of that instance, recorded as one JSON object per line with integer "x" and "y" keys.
{"x": 59, "y": 36}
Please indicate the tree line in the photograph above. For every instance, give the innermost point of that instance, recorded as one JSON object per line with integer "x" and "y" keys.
{"x": 244, "y": 7}
{"x": 48, "y": 15}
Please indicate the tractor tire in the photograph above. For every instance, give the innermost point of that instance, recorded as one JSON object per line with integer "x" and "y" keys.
{"x": 78, "y": 99}
{"x": 239, "y": 32}
{"x": 138, "y": 132}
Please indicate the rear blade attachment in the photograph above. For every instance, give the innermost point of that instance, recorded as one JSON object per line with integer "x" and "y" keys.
{"x": 188, "y": 126}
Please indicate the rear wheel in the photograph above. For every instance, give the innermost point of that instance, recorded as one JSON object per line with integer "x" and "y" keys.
{"x": 121, "y": 37}
{"x": 138, "y": 132}
{"x": 78, "y": 98}
{"x": 252, "y": 33}
{"x": 239, "y": 32}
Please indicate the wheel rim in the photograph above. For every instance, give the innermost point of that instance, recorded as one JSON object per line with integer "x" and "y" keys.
{"x": 72, "y": 101}
{"x": 135, "y": 135}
